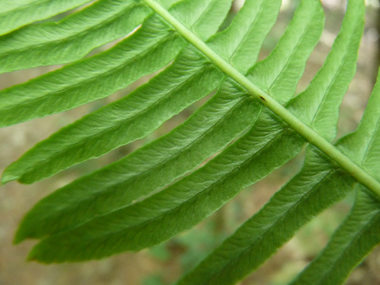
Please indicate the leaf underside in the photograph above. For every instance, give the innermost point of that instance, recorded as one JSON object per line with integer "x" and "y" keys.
{"x": 252, "y": 125}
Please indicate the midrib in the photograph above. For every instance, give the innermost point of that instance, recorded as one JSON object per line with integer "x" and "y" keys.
{"x": 308, "y": 133}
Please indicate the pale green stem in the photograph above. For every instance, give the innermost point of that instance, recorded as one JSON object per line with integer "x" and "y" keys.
{"x": 308, "y": 133}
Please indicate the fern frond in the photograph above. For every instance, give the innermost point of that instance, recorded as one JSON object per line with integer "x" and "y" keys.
{"x": 359, "y": 233}
{"x": 201, "y": 193}
{"x": 250, "y": 127}
{"x": 325, "y": 93}
{"x": 362, "y": 146}
{"x": 166, "y": 163}
{"x": 147, "y": 169}
{"x": 353, "y": 240}
{"x": 71, "y": 38}
{"x": 91, "y": 79}
{"x": 319, "y": 184}
{"x": 100, "y": 76}
{"x": 15, "y": 14}
{"x": 270, "y": 102}
{"x": 181, "y": 77}
{"x": 221, "y": 173}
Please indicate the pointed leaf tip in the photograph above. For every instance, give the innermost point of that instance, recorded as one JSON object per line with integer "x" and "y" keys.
{"x": 18, "y": 237}
{"x": 6, "y": 178}
{"x": 30, "y": 257}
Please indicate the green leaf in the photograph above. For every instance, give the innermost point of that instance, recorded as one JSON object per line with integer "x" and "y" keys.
{"x": 359, "y": 232}
{"x": 319, "y": 184}
{"x": 231, "y": 113}
{"x": 146, "y": 51}
{"x": 257, "y": 92}
{"x": 155, "y": 165}
{"x": 210, "y": 129}
{"x": 325, "y": 93}
{"x": 137, "y": 115}
{"x": 100, "y": 23}
{"x": 166, "y": 213}
{"x": 91, "y": 79}
{"x": 15, "y": 14}
{"x": 352, "y": 241}
{"x": 71, "y": 38}
{"x": 363, "y": 145}
{"x": 122, "y": 114}
{"x": 221, "y": 173}
{"x": 279, "y": 73}
{"x": 163, "y": 189}
{"x": 239, "y": 43}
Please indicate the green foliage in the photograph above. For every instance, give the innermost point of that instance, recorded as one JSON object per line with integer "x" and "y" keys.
{"x": 251, "y": 126}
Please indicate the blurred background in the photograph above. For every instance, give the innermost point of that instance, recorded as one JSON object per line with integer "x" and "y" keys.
{"x": 164, "y": 263}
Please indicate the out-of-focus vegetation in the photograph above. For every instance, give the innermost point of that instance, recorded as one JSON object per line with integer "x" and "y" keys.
{"x": 164, "y": 263}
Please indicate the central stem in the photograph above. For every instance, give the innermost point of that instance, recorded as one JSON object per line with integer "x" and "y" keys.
{"x": 308, "y": 133}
